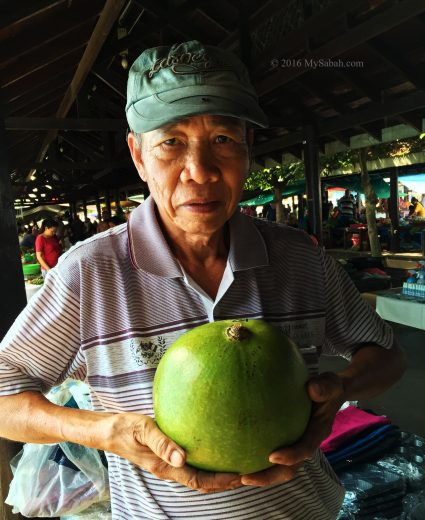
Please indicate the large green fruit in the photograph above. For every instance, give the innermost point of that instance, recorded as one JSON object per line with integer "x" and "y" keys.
{"x": 230, "y": 393}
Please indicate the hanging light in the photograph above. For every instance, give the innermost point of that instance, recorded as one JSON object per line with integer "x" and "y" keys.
{"x": 124, "y": 59}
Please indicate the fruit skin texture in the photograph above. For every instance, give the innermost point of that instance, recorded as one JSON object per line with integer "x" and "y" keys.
{"x": 230, "y": 403}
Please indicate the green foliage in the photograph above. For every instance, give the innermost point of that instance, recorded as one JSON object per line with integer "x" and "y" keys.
{"x": 268, "y": 178}
{"x": 337, "y": 161}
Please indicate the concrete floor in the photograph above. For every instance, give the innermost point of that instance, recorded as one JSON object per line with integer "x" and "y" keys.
{"x": 404, "y": 403}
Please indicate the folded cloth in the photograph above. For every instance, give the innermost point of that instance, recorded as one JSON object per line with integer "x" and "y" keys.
{"x": 363, "y": 443}
{"x": 370, "y": 454}
{"x": 348, "y": 423}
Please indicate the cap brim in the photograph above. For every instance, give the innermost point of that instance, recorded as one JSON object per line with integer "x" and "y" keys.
{"x": 162, "y": 109}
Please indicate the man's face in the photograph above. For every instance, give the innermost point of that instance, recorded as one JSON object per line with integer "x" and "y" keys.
{"x": 195, "y": 170}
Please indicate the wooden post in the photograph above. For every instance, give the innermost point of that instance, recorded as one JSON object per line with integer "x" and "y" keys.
{"x": 370, "y": 201}
{"x": 394, "y": 212}
{"x": 13, "y": 300}
{"x": 85, "y": 209}
{"x": 313, "y": 185}
{"x": 108, "y": 202}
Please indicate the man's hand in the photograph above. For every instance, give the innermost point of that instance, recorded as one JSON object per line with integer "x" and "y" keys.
{"x": 326, "y": 392}
{"x": 137, "y": 438}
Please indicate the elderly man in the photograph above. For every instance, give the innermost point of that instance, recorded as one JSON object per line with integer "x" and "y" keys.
{"x": 115, "y": 302}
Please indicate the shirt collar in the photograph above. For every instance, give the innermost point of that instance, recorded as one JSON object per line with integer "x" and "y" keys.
{"x": 150, "y": 251}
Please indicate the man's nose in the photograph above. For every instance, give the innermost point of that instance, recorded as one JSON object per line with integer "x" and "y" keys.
{"x": 200, "y": 165}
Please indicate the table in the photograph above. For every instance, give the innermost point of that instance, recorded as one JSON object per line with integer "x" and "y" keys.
{"x": 392, "y": 305}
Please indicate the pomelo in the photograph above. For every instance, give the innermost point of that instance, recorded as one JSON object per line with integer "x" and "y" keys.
{"x": 230, "y": 393}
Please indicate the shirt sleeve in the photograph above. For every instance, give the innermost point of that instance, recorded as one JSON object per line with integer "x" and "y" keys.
{"x": 39, "y": 244}
{"x": 350, "y": 321}
{"x": 41, "y": 349}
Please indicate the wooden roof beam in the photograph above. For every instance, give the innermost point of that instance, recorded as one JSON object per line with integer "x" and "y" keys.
{"x": 73, "y": 19}
{"x": 374, "y": 112}
{"x": 395, "y": 61}
{"x": 254, "y": 19}
{"x": 174, "y": 17}
{"x": 353, "y": 37}
{"x": 372, "y": 130}
{"x": 206, "y": 14}
{"x": 55, "y": 123}
{"x": 14, "y": 20}
{"x": 47, "y": 89}
{"x": 413, "y": 120}
{"x": 103, "y": 27}
{"x": 86, "y": 150}
{"x": 354, "y": 79}
{"x": 342, "y": 138}
{"x": 323, "y": 94}
{"x": 71, "y": 165}
{"x": 111, "y": 79}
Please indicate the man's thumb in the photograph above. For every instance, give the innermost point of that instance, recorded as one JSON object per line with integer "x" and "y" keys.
{"x": 324, "y": 387}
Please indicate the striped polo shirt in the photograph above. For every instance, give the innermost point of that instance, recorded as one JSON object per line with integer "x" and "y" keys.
{"x": 115, "y": 302}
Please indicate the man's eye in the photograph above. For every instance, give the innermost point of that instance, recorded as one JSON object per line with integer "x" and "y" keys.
{"x": 170, "y": 142}
{"x": 223, "y": 139}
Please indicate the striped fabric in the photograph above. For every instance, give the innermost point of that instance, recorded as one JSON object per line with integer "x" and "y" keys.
{"x": 114, "y": 304}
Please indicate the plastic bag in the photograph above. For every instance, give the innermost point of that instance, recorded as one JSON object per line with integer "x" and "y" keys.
{"x": 55, "y": 479}
{"x": 100, "y": 511}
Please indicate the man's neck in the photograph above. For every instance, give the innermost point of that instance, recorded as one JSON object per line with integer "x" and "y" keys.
{"x": 202, "y": 257}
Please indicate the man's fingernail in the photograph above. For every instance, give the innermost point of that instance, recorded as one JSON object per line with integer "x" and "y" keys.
{"x": 274, "y": 459}
{"x": 176, "y": 459}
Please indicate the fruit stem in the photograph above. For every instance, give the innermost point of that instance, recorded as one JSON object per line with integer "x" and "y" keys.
{"x": 238, "y": 332}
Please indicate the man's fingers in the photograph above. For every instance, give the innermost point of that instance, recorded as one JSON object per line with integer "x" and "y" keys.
{"x": 271, "y": 476}
{"x": 324, "y": 387}
{"x": 206, "y": 482}
{"x": 295, "y": 454}
{"x": 148, "y": 434}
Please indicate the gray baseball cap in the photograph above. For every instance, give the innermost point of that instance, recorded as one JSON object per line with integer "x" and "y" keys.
{"x": 166, "y": 84}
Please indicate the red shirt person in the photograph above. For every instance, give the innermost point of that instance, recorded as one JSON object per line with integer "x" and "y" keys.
{"x": 47, "y": 245}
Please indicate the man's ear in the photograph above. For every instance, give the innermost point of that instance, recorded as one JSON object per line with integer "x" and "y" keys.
{"x": 136, "y": 154}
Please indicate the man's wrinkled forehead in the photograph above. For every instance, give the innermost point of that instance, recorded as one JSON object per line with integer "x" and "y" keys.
{"x": 216, "y": 120}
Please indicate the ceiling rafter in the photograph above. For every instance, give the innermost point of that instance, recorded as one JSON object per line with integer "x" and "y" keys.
{"x": 354, "y": 36}
{"x": 55, "y": 123}
{"x": 392, "y": 58}
{"x": 374, "y": 112}
{"x": 109, "y": 15}
{"x": 49, "y": 33}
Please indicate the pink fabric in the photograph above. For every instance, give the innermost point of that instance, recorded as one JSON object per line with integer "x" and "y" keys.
{"x": 348, "y": 423}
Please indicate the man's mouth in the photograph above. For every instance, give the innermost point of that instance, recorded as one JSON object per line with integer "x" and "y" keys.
{"x": 201, "y": 206}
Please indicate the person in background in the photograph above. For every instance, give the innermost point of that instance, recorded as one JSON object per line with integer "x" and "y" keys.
{"x": 77, "y": 226}
{"x": 89, "y": 229}
{"x": 326, "y": 206}
{"x": 28, "y": 240}
{"x": 416, "y": 209}
{"x": 403, "y": 206}
{"x": 47, "y": 245}
{"x": 347, "y": 208}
